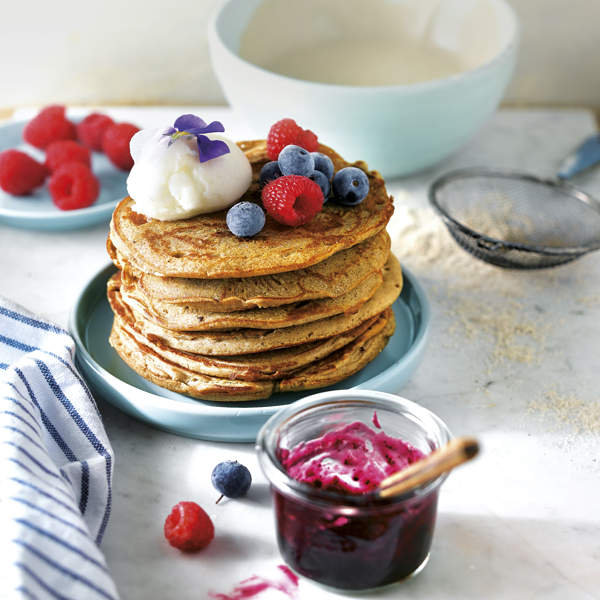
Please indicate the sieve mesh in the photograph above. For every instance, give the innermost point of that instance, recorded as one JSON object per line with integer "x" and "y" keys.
{"x": 515, "y": 220}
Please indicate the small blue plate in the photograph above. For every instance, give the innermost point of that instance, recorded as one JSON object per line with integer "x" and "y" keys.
{"x": 110, "y": 378}
{"x": 37, "y": 211}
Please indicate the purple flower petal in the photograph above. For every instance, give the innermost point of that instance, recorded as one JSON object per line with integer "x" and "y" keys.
{"x": 209, "y": 149}
{"x": 169, "y": 131}
{"x": 188, "y": 122}
{"x": 210, "y": 128}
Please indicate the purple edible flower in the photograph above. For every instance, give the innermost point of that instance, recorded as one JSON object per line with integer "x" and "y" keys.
{"x": 191, "y": 125}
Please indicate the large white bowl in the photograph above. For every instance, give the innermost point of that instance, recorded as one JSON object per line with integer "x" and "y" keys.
{"x": 396, "y": 129}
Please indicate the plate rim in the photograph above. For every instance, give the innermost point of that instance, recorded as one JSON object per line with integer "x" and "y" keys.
{"x": 198, "y": 409}
{"x": 45, "y": 214}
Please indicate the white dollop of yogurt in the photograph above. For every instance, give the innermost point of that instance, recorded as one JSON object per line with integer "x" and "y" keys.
{"x": 169, "y": 182}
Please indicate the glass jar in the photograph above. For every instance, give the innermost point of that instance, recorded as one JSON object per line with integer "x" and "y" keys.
{"x": 345, "y": 541}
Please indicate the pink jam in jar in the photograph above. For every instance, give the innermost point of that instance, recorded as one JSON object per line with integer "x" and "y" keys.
{"x": 324, "y": 462}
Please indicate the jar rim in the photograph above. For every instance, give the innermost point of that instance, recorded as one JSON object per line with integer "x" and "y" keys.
{"x": 266, "y": 443}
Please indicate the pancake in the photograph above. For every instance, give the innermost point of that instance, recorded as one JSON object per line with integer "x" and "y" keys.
{"x": 341, "y": 364}
{"x": 327, "y": 371}
{"x": 202, "y": 247}
{"x": 330, "y": 278}
{"x": 275, "y": 364}
{"x": 250, "y": 341}
{"x": 186, "y": 317}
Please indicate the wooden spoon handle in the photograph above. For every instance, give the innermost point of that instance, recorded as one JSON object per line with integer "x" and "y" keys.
{"x": 456, "y": 452}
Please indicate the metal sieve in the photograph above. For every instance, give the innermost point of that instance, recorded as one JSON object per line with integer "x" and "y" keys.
{"x": 516, "y": 220}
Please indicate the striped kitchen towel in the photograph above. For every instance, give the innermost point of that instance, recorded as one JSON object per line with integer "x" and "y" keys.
{"x": 56, "y": 467}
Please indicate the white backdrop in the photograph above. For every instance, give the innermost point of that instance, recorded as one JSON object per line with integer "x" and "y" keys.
{"x": 155, "y": 52}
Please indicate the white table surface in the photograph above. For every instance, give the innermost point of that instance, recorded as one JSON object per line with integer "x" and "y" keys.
{"x": 523, "y": 521}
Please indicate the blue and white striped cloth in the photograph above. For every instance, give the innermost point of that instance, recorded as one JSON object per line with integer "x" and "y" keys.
{"x": 56, "y": 467}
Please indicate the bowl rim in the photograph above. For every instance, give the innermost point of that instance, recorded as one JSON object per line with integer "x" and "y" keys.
{"x": 505, "y": 53}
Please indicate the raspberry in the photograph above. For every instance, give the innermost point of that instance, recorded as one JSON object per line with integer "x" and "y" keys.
{"x": 65, "y": 151}
{"x": 286, "y": 132}
{"x": 19, "y": 173}
{"x": 292, "y": 199}
{"x": 50, "y": 125}
{"x": 188, "y": 527}
{"x": 281, "y": 134}
{"x": 91, "y": 130}
{"x": 115, "y": 144}
{"x": 73, "y": 186}
{"x": 308, "y": 140}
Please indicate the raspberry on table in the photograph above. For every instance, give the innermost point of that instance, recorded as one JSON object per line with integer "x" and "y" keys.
{"x": 286, "y": 132}
{"x": 91, "y": 130}
{"x": 115, "y": 144}
{"x": 292, "y": 199}
{"x": 66, "y": 151}
{"x": 19, "y": 173}
{"x": 73, "y": 185}
{"x": 50, "y": 125}
{"x": 188, "y": 527}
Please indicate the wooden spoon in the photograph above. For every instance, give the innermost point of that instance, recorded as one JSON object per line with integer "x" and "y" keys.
{"x": 456, "y": 452}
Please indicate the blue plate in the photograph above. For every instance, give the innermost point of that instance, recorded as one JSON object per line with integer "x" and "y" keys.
{"x": 110, "y": 378}
{"x": 37, "y": 211}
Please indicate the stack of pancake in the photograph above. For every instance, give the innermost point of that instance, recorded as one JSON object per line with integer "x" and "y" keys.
{"x": 202, "y": 312}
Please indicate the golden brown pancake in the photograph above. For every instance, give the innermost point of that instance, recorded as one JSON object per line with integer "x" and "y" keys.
{"x": 341, "y": 364}
{"x": 187, "y": 317}
{"x": 251, "y": 341}
{"x": 202, "y": 247}
{"x": 252, "y": 367}
{"x": 327, "y": 371}
{"x": 330, "y": 278}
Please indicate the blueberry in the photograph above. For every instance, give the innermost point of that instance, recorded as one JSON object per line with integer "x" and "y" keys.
{"x": 269, "y": 172}
{"x": 350, "y": 186}
{"x": 323, "y": 163}
{"x": 231, "y": 479}
{"x": 321, "y": 179}
{"x": 245, "y": 219}
{"x": 294, "y": 160}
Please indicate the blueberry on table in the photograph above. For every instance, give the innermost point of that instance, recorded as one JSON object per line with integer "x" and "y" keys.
{"x": 269, "y": 172}
{"x": 294, "y": 160}
{"x": 231, "y": 478}
{"x": 245, "y": 219}
{"x": 350, "y": 186}
{"x": 323, "y": 163}
{"x": 321, "y": 179}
